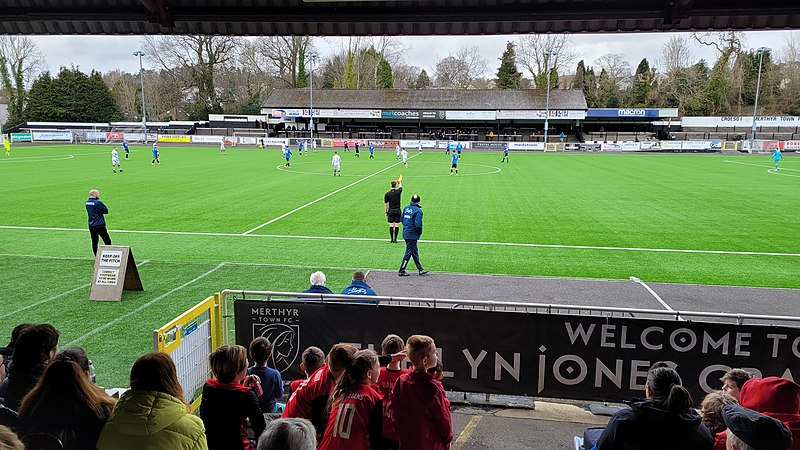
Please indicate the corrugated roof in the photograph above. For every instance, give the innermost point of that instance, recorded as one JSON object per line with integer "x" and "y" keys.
{"x": 443, "y": 99}
{"x": 376, "y": 18}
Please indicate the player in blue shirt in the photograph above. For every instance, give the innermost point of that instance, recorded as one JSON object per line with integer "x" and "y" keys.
{"x": 371, "y": 152}
{"x": 300, "y": 147}
{"x": 777, "y": 156}
{"x": 459, "y": 147}
{"x": 288, "y": 156}
{"x": 125, "y": 147}
{"x": 505, "y": 153}
{"x": 449, "y": 146}
{"x": 155, "y": 155}
{"x": 454, "y": 164}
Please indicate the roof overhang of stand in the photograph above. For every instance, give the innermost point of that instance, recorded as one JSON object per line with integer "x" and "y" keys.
{"x": 380, "y": 17}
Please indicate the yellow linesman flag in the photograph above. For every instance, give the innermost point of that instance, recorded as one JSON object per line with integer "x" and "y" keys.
{"x": 400, "y": 178}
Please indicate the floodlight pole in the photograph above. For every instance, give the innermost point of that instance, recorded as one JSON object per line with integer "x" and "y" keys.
{"x": 140, "y": 54}
{"x": 761, "y": 52}
{"x": 547, "y": 101}
{"x": 312, "y": 57}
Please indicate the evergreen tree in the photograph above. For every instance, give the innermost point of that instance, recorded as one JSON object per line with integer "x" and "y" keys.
{"x": 718, "y": 87}
{"x": 384, "y": 75}
{"x": 72, "y": 96}
{"x": 508, "y": 76}
{"x": 350, "y": 77}
{"x": 580, "y": 75}
{"x": 423, "y": 80}
{"x": 302, "y": 75}
{"x": 643, "y": 83}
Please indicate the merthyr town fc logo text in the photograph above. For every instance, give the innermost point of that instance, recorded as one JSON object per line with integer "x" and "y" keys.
{"x": 281, "y": 327}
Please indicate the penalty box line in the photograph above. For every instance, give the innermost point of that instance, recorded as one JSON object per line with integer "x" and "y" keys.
{"x": 324, "y": 197}
{"x": 425, "y": 241}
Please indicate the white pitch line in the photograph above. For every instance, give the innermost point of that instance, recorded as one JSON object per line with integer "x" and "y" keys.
{"x": 56, "y": 297}
{"x": 775, "y": 172}
{"x": 758, "y": 165}
{"x": 324, "y": 197}
{"x": 650, "y": 290}
{"x": 428, "y": 241}
{"x": 146, "y": 305}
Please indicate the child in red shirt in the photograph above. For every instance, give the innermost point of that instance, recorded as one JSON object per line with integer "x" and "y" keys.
{"x": 420, "y": 409}
{"x": 310, "y": 398}
{"x": 356, "y": 409}
{"x": 391, "y": 344}
{"x": 313, "y": 359}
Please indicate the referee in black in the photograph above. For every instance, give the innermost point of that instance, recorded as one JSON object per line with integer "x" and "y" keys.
{"x": 392, "y": 208}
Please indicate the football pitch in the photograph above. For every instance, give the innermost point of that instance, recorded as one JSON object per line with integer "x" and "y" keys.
{"x": 201, "y": 222}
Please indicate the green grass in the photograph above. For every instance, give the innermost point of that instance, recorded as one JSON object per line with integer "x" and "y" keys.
{"x": 691, "y": 202}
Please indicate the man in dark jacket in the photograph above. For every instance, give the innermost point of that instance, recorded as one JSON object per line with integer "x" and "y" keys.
{"x": 412, "y": 230}
{"x": 318, "y": 284}
{"x": 97, "y": 222}
{"x": 359, "y": 286}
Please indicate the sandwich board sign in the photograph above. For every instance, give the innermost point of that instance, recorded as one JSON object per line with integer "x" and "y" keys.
{"x": 114, "y": 271}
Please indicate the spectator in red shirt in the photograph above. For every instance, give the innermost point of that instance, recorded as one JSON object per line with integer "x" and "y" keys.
{"x": 313, "y": 359}
{"x": 355, "y": 421}
{"x": 420, "y": 408}
{"x": 311, "y": 397}
{"x": 391, "y": 344}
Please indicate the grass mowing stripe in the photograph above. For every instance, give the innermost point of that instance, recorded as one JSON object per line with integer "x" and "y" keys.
{"x": 57, "y": 296}
{"x": 758, "y": 165}
{"x": 428, "y": 241}
{"x": 325, "y": 196}
{"x": 146, "y": 305}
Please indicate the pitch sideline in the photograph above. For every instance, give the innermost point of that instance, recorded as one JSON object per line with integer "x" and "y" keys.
{"x": 427, "y": 241}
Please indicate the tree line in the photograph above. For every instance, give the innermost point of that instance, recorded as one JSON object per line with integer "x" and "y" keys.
{"x": 189, "y": 77}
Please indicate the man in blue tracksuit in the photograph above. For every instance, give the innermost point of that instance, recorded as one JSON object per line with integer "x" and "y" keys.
{"x": 412, "y": 230}
{"x": 97, "y": 222}
{"x": 359, "y": 286}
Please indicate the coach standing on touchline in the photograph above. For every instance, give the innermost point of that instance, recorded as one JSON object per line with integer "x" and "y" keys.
{"x": 412, "y": 230}
{"x": 97, "y": 222}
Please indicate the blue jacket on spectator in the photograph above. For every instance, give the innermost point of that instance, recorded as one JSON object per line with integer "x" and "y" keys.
{"x": 358, "y": 287}
{"x": 315, "y": 289}
{"x": 412, "y": 221}
{"x": 96, "y": 209}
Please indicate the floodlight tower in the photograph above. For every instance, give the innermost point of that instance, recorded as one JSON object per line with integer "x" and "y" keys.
{"x": 140, "y": 54}
{"x": 760, "y": 51}
{"x": 549, "y": 54}
{"x": 312, "y": 60}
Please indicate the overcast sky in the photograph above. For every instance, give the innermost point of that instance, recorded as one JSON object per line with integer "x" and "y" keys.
{"x": 105, "y": 53}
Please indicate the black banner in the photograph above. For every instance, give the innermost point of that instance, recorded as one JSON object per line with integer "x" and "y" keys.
{"x": 433, "y": 114}
{"x": 489, "y": 145}
{"x": 559, "y": 356}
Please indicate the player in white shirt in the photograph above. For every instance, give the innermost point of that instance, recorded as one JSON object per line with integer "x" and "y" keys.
{"x": 397, "y": 151}
{"x": 115, "y": 161}
{"x": 222, "y": 147}
{"x": 404, "y": 154}
{"x": 337, "y": 164}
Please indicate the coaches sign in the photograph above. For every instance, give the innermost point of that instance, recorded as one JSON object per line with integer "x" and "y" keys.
{"x": 562, "y": 356}
{"x": 400, "y": 114}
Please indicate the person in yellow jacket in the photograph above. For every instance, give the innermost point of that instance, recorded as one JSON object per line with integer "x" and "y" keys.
{"x": 152, "y": 414}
